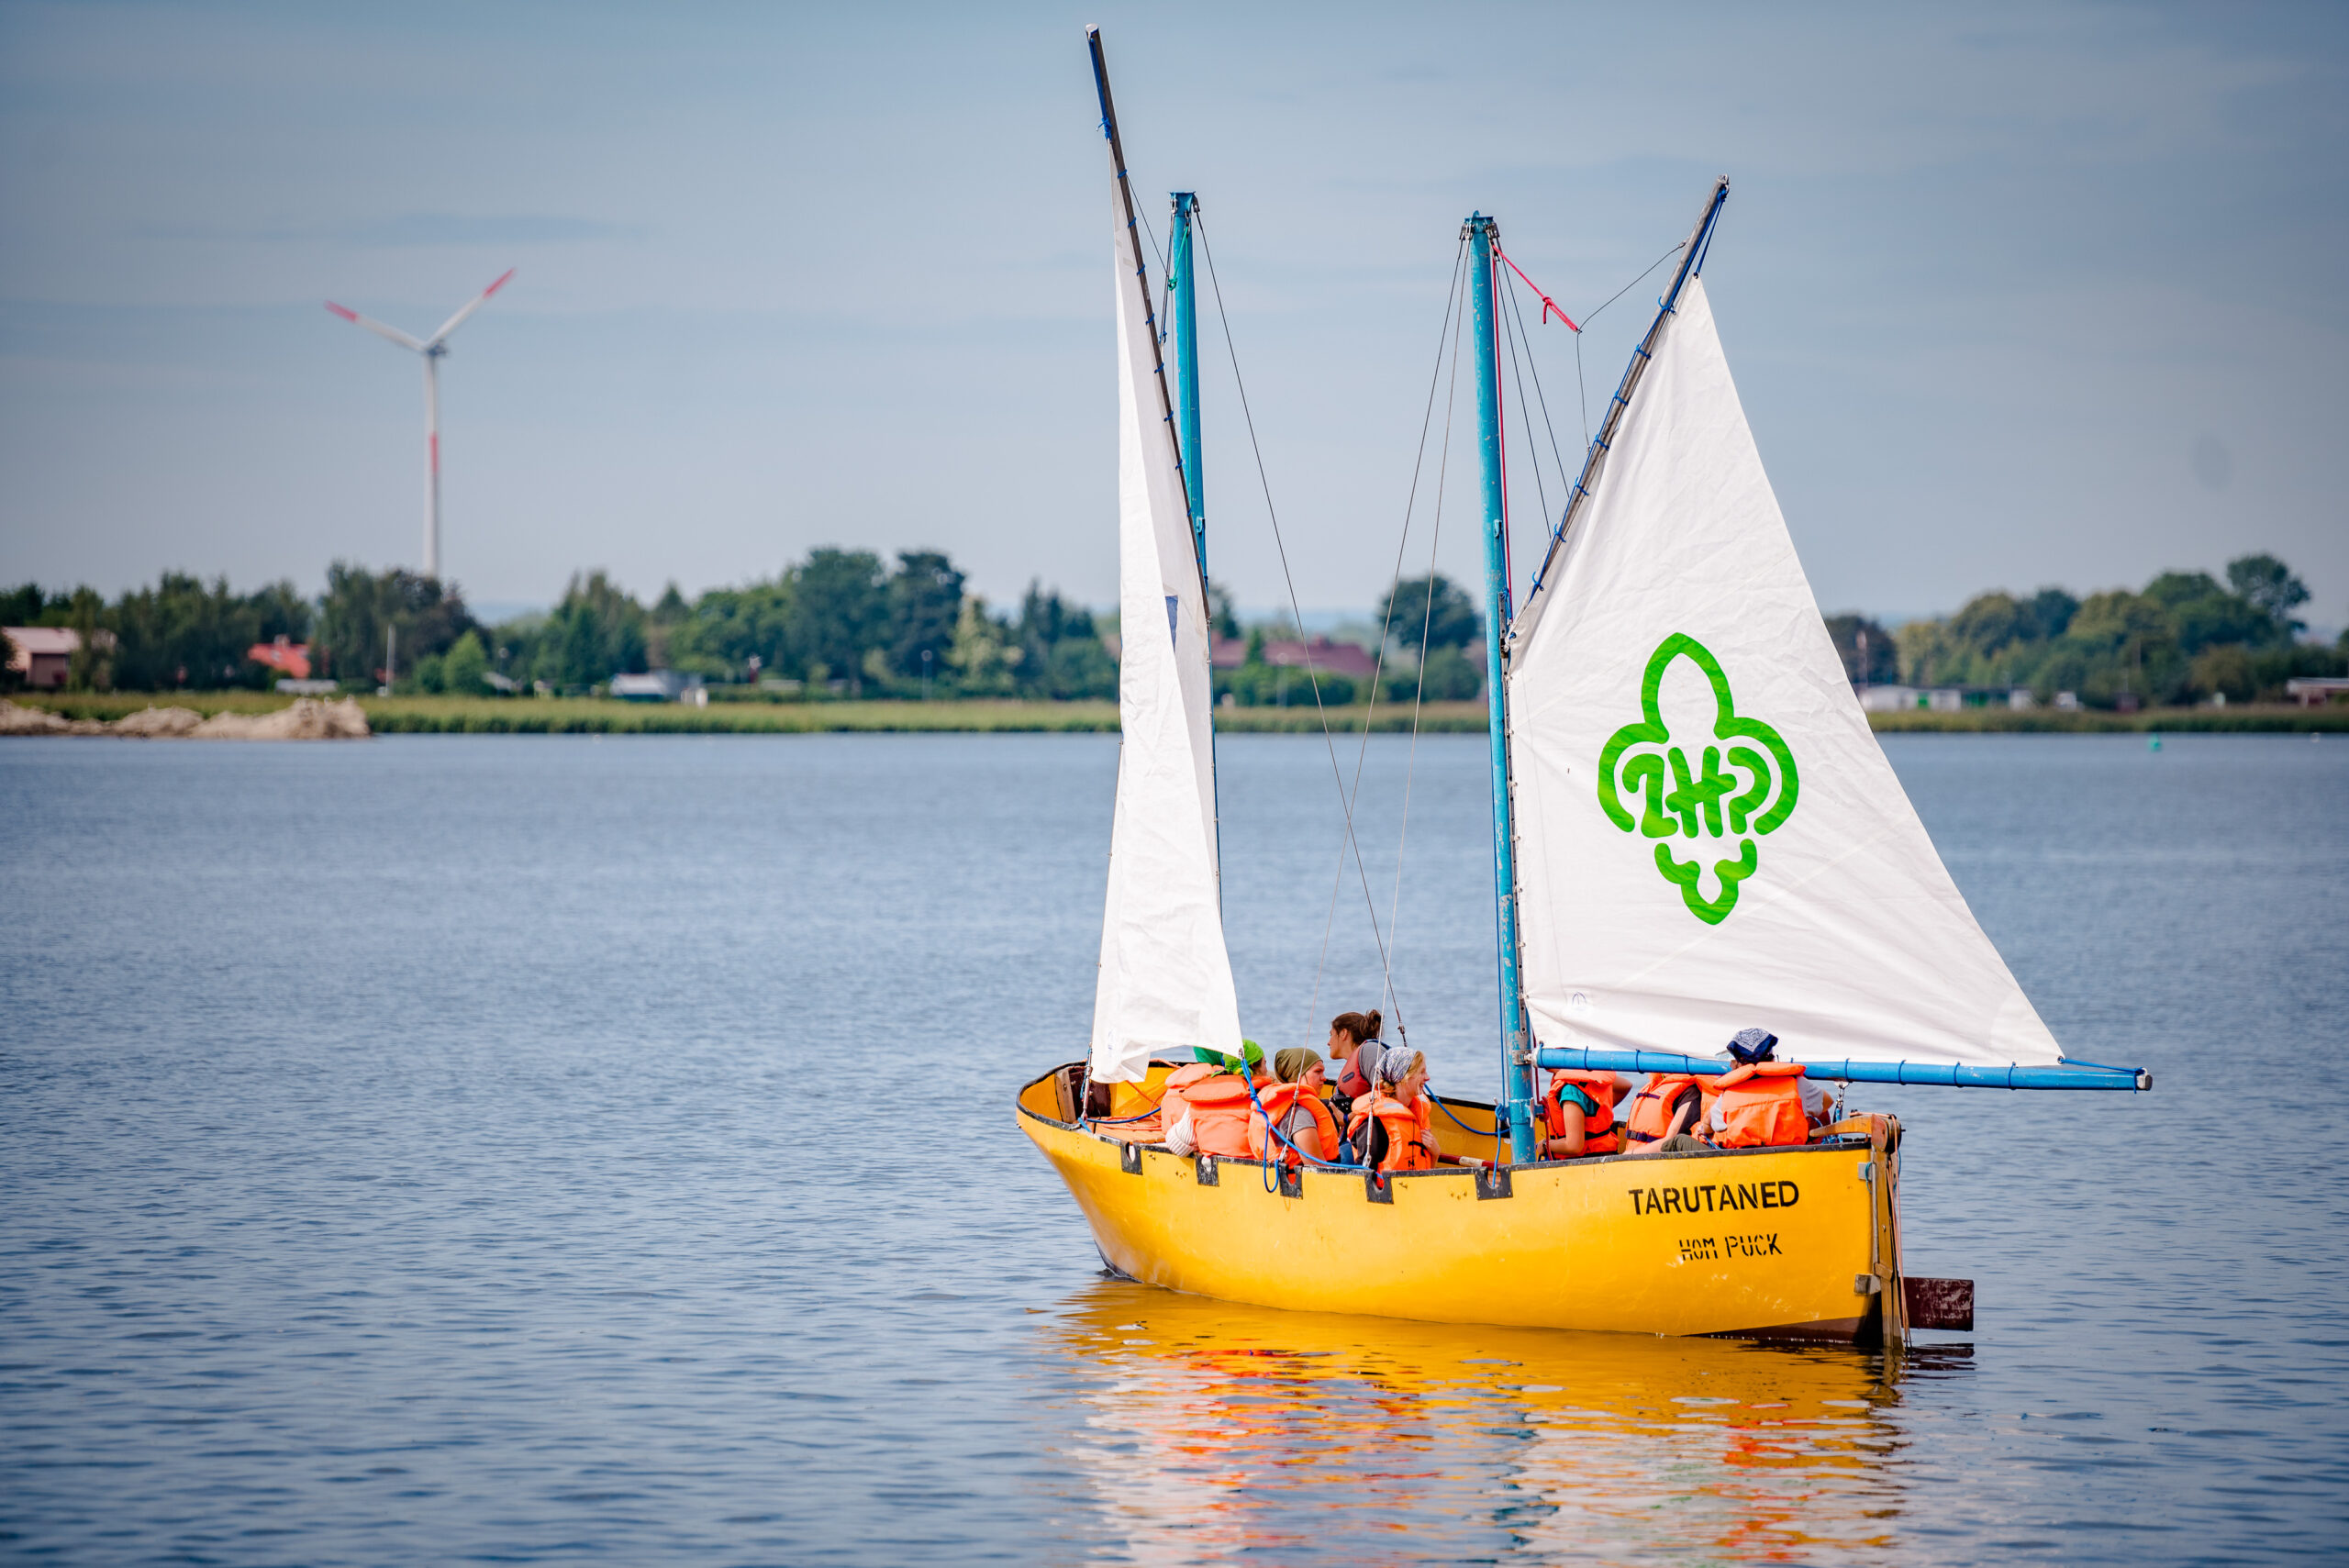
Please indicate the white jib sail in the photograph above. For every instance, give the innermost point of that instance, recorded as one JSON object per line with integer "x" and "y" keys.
{"x": 1165, "y": 981}
{"x": 1709, "y": 837}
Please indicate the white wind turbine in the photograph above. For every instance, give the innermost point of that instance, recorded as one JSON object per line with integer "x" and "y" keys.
{"x": 433, "y": 349}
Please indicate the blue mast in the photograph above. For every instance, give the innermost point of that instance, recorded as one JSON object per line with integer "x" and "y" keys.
{"x": 1517, "y": 1070}
{"x": 1180, "y": 283}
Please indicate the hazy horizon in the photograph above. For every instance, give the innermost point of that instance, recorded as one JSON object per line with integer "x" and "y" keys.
{"x": 2013, "y": 296}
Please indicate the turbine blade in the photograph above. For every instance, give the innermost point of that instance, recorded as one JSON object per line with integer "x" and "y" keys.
{"x": 394, "y": 333}
{"x": 473, "y": 305}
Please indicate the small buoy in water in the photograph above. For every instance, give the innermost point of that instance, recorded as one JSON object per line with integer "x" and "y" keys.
{"x": 2152, "y": 743}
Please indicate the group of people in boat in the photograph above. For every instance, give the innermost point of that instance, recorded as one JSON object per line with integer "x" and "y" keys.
{"x": 1377, "y": 1112}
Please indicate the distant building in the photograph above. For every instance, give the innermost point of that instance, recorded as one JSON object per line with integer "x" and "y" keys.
{"x": 2309, "y": 691}
{"x": 286, "y": 656}
{"x": 661, "y": 685}
{"x": 2069, "y": 702}
{"x": 2020, "y": 699}
{"x": 1904, "y": 699}
{"x": 42, "y": 654}
{"x": 1887, "y": 698}
{"x": 1327, "y": 658}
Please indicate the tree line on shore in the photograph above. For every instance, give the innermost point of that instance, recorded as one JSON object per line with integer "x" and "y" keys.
{"x": 841, "y": 621}
{"x": 2184, "y": 638}
{"x": 844, "y": 622}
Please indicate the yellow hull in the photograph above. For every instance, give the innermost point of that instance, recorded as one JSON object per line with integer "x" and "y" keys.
{"x": 1800, "y": 1243}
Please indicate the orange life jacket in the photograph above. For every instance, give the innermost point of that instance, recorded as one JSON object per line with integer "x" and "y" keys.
{"x": 1652, "y": 1109}
{"x": 1761, "y": 1104}
{"x": 1410, "y": 1140}
{"x": 1598, "y": 1135}
{"x": 1278, "y": 1101}
{"x": 1218, "y": 1103}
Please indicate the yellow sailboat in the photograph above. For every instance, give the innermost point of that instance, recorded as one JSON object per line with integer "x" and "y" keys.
{"x": 1693, "y": 833}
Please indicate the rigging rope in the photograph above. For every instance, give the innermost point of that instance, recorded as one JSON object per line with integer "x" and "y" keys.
{"x": 1426, "y": 613}
{"x": 1378, "y": 671}
{"x": 1548, "y": 305}
{"x": 1579, "y": 385}
{"x": 1264, "y": 480}
{"x": 1165, "y": 275}
{"x": 1534, "y": 365}
{"x": 1500, "y": 449}
{"x": 1506, "y": 312}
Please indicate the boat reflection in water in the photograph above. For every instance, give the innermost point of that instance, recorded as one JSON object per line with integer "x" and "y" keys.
{"x": 1212, "y": 1430}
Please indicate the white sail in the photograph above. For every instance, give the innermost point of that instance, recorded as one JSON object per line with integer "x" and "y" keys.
{"x": 1166, "y": 980}
{"x": 1709, "y": 837}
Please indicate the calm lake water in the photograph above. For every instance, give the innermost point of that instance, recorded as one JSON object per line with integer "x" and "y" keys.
{"x": 552, "y": 1148}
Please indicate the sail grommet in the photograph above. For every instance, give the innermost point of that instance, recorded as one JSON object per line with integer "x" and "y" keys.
{"x": 1129, "y": 1159}
{"x": 1493, "y": 1181}
{"x": 1204, "y": 1168}
{"x": 1378, "y": 1186}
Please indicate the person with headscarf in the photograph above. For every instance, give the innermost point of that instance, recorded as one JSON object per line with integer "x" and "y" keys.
{"x": 1761, "y": 1102}
{"x": 1291, "y": 1123}
{"x": 1393, "y": 1127}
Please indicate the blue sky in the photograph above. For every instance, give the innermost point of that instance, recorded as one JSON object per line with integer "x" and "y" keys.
{"x": 2014, "y": 295}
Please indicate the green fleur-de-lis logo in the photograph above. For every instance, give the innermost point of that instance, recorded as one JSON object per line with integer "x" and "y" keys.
{"x": 1739, "y": 789}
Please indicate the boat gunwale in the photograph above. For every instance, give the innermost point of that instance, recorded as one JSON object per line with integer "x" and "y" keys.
{"x": 1842, "y": 1144}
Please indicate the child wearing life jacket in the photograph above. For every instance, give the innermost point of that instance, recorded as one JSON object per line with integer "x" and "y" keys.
{"x": 1293, "y": 1110}
{"x": 1578, "y": 1116}
{"x": 1206, "y": 1106}
{"x": 1666, "y": 1113}
{"x": 1762, "y": 1102}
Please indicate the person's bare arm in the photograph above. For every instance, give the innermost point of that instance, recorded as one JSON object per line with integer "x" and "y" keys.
{"x": 1570, "y": 1146}
{"x": 1680, "y": 1120}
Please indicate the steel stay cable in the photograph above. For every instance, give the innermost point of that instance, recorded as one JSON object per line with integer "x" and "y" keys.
{"x": 1583, "y": 393}
{"x": 1427, "y": 611}
{"x": 1166, "y": 275}
{"x": 1635, "y": 282}
{"x": 1582, "y": 388}
{"x": 1548, "y": 305}
{"x": 1533, "y": 367}
{"x": 1533, "y": 452}
{"x": 1264, "y": 480}
{"x": 1378, "y": 669}
{"x": 1500, "y": 451}
{"x": 1594, "y": 454}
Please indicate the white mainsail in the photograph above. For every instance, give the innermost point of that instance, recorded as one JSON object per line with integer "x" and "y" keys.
{"x": 1166, "y": 980}
{"x": 1709, "y": 837}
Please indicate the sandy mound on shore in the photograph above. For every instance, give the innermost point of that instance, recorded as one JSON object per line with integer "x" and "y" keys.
{"x": 17, "y": 720}
{"x": 308, "y": 719}
{"x": 156, "y": 723}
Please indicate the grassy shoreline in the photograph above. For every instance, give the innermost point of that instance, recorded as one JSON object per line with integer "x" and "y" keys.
{"x": 591, "y": 716}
